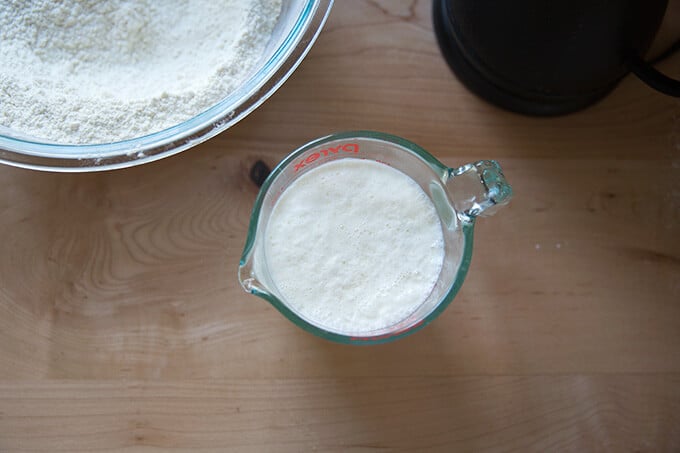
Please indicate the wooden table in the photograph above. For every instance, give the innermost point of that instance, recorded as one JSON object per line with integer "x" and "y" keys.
{"x": 123, "y": 326}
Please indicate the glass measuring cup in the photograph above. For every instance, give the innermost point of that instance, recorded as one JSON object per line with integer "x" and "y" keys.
{"x": 459, "y": 195}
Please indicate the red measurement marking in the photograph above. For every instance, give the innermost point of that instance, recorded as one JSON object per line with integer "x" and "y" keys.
{"x": 308, "y": 159}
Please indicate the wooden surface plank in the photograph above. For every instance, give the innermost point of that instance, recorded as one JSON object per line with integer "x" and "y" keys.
{"x": 509, "y": 413}
{"x": 123, "y": 326}
{"x": 134, "y": 286}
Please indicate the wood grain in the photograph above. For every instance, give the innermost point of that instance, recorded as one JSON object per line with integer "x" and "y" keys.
{"x": 508, "y": 413}
{"x": 123, "y": 326}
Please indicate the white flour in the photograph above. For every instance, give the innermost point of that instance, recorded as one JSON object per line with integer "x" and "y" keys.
{"x": 84, "y": 71}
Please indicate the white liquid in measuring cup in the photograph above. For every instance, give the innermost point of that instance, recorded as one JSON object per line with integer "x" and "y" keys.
{"x": 354, "y": 246}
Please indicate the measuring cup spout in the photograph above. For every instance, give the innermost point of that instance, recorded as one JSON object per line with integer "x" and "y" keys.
{"x": 249, "y": 272}
{"x": 478, "y": 189}
{"x": 246, "y": 276}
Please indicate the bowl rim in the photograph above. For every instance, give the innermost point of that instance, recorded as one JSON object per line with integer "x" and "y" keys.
{"x": 31, "y": 154}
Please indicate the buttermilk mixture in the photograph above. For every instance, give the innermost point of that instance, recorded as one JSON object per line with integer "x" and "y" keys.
{"x": 354, "y": 246}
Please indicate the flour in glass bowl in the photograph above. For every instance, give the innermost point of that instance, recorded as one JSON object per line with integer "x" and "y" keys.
{"x": 92, "y": 71}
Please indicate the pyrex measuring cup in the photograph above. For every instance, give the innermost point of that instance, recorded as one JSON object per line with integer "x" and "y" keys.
{"x": 459, "y": 195}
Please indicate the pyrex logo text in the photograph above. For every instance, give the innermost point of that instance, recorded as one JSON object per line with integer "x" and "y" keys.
{"x": 347, "y": 147}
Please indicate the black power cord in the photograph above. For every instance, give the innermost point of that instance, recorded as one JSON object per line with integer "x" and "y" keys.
{"x": 654, "y": 78}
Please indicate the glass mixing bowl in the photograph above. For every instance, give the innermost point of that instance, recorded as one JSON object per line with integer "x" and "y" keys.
{"x": 298, "y": 26}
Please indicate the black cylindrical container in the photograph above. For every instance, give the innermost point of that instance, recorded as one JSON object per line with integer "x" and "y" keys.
{"x": 544, "y": 57}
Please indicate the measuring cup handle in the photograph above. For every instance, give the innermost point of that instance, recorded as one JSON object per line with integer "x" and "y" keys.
{"x": 478, "y": 189}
